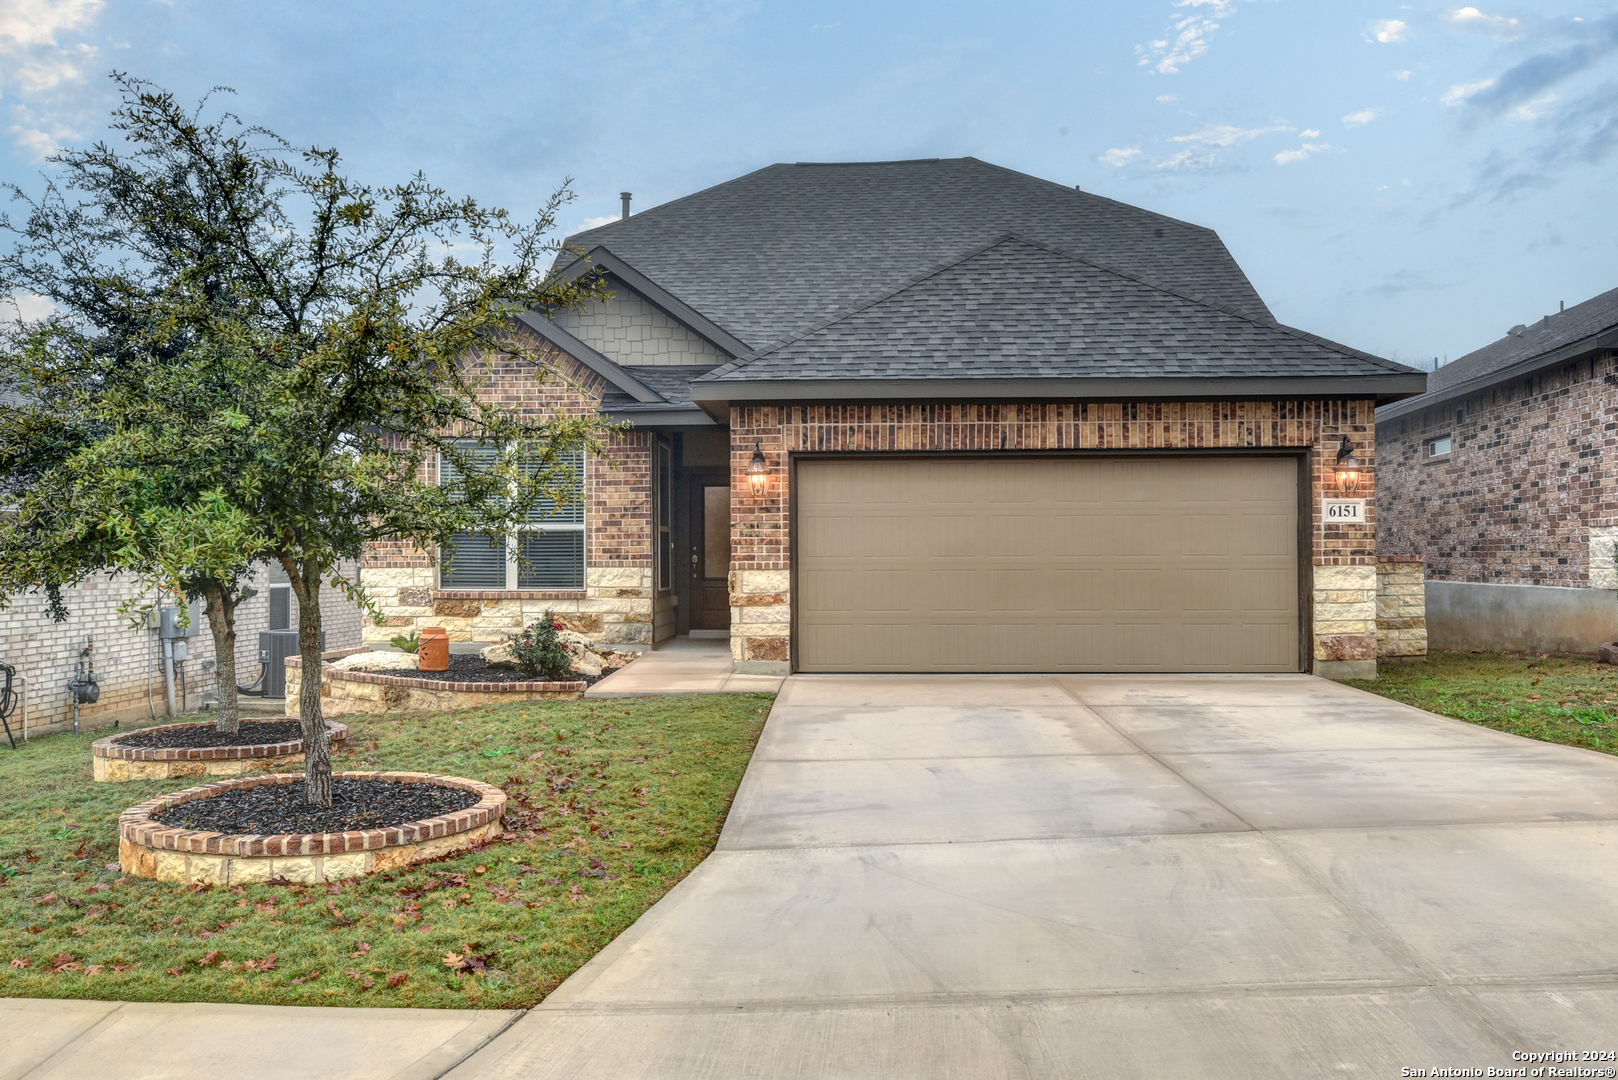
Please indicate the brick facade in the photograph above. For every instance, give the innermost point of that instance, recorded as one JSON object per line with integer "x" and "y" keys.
{"x": 1526, "y": 493}
{"x": 615, "y": 606}
{"x": 1344, "y": 556}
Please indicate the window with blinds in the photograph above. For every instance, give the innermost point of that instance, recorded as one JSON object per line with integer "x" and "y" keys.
{"x": 548, "y": 553}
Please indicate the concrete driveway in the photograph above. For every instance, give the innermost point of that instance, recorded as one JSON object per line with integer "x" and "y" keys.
{"x": 1188, "y": 876}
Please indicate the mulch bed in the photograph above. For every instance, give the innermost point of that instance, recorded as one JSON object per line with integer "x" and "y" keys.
{"x": 252, "y": 733}
{"x": 468, "y": 668}
{"x": 275, "y": 809}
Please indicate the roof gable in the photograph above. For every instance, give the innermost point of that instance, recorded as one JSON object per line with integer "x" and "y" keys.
{"x": 788, "y": 246}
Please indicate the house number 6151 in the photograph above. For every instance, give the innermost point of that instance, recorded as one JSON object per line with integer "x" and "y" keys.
{"x": 1343, "y": 511}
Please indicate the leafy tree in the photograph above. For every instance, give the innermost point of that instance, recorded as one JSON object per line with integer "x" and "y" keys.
{"x": 325, "y": 339}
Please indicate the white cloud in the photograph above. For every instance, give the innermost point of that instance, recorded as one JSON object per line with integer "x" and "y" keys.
{"x": 28, "y": 307}
{"x": 1389, "y": 31}
{"x": 1470, "y": 18}
{"x": 1188, "y": 35}
{"x": 1188, "y": 158}
{"x": 1461, "y": 91}
{"x": 1288, "y": 157}
{"x": 31, "y": 60}
{"x": 1225, "y": 135}
{"x": 1402, "y": 76}
{"x": 40, "y": 135}
{"x": 1167, "y": 99}
{"x": 1119, "y": 157}
{"x": 1311, "y": 133}
{"x": 595, "y": 223}
{"x": 42, "y": 71}
{"x": 1531, "y": 110}
{"x": 1361, "y": 118}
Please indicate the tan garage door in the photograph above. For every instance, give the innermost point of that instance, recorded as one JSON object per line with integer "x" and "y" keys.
{"x": 1047, "y": 564}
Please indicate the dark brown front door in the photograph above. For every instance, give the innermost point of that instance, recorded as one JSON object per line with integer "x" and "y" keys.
{"x": 710, "y": 550}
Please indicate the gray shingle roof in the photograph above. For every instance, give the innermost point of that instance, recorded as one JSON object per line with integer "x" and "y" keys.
{"x": 1591, "y": 324}
{"x": 1017, "y": 308}
{"x": 672, "y": 383}
{"x": 788, "y": 246}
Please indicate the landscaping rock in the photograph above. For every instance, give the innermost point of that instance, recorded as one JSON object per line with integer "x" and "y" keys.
{"x": 585, "y": 662}
{"x": 377, "y": 660}
{"x": 499, "y": 655}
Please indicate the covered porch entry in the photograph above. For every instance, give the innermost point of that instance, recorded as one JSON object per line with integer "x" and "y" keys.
{"x": 691, "y": 525}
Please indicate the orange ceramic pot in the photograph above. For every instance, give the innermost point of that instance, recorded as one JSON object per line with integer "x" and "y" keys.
{"x": 432, "y": 652}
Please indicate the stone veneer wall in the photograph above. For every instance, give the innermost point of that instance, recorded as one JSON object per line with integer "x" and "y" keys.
{"x": 615, "y": 605}
{"x": 1401, "y": 606}
{"x": 1525, "y": 497}
{"x": 1344, "y": 556}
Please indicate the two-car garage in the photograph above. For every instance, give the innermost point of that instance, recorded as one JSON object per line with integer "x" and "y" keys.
{"x": 1047, "y": 562}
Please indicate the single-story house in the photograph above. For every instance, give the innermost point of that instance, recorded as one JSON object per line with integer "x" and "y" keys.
{"x": 1500, "y": 476}
{"x": 938, "y": 416}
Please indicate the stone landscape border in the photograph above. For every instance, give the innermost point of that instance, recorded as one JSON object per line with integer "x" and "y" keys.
{"x": 344, "y": 692}
{"x": 113, "y": 763}
{"x": 148, "y": 848}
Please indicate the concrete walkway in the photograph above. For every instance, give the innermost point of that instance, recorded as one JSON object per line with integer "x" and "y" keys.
{"x": 109, "y": 1040}
{"x": 683, "y": 666}
{"x": 1192, "y": 876}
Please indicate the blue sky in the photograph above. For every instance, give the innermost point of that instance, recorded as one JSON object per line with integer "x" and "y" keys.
{"x": 1410, "y": 179}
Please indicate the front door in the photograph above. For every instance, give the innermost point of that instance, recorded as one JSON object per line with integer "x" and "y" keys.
{"x": 710, "y": 550}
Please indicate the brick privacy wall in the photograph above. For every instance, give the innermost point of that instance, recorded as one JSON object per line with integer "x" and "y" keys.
{"x": 1344, "y": 555}
{"x": 633, "y": 332}
{"x": 1527, "y": 483}
{"x": 1401, "y": 606}
{"x": 615, "y": 606}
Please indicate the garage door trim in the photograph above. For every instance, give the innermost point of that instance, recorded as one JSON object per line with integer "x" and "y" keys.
{"x": 1305, "y": 508}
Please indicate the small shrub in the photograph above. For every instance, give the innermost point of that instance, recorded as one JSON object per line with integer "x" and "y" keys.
{"x": 539, "y": 652}
{"x": 404, "y": 643}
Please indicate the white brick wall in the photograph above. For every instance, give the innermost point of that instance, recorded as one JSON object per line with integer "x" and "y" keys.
{"x": 631, "y": 331}
{"x": 128, "y": 661}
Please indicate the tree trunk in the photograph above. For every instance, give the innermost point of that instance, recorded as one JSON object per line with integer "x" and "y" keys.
{"x": 305, "y": 579}
{"x": 222, "y": 621}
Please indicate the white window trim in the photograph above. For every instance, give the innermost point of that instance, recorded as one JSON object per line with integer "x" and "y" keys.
{"x": 513, "y": 566}
{"x": 1429, "y": 445}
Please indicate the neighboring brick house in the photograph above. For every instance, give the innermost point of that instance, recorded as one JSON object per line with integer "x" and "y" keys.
{"x": 1502, "y": 476}
{"x": 128, "y": 660}
{"x": 939, "y": 416}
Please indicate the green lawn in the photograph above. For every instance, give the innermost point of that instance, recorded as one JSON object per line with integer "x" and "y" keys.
{"x": 613, "y": 801}
{"x": 1560, "y": 699}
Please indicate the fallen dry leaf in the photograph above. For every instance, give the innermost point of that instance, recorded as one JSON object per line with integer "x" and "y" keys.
{"x": 20, "y": 962}
{"x": 397, "y": 979}
{"x": 175, "y": 971}
{"x": 48, "y": 898}
{"x": 92, "y": 969}
{"x": 360, "y": 950}
{"x": 79, "y": 931}
{"x": 209, "y": 959}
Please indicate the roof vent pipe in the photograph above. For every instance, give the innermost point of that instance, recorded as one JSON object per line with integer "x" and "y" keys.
{"x": 624, "y": 195}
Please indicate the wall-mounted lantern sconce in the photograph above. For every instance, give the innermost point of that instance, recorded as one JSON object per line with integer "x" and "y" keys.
{"x": 1348, "y": 468}
{"x": 756, "y": 475}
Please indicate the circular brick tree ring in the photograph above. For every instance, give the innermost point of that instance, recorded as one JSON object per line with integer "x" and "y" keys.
{"x": 148, "y": 848}
{"x": 114, "y": 762}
